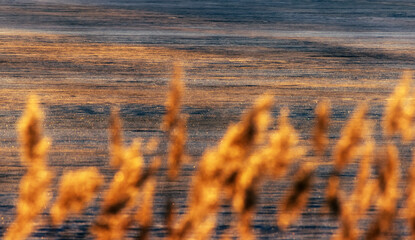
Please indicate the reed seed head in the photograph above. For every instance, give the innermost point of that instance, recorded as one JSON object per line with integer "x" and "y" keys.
{"x": 297, "y": 198}
{"x": 112, "y": 222}
{"x": 76, "y": 189}
{"x": 282, "y": 148}
{"x": 33, "y": 192}
{"x": 352, "y": 135}
{"x": 400, "y": 110}
{"x": 34, "y": 145}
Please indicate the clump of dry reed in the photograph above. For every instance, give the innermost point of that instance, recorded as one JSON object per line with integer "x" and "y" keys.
{"x": 121, "y": 196}
{"x": 33, "y": 193}
{"x": 273, "y": 160}
{"x": 352, "y": 136}
{"x": 220, "y": 168}
{"x": 350, "y": 211}
{"x": 232, "y": 171}
{"x": 112, "y": 222}
{"x": 76, "y": 189}
{"x": 236, "y": 168}
{"x": 398, "y": 118}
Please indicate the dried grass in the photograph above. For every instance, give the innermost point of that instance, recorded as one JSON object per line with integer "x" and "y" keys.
{"x": 76, "y": 189}
{"x": 352, "y": 136}
{"x": 297, "y": 198}
{"x": 231, "y": 172}
{"x": 388, "y": 195}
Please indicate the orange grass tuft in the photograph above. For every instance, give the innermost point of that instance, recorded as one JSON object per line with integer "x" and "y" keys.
{"x": 282, "y": 148}
{"x": 274, "y": 159}
{"x": 219, "y": 168}
{"x": 112, "y": 223}
{"x": 120, "y": 195}
{"x": 232, "y": 171}
{"x": 77, "y": 188}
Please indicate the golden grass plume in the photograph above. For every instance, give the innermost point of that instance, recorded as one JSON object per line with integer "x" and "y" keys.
{"x": 353, "y": 133}
{"x": 282, "y": 147}
{"x": 297, "y": 198}
{"x": 400, "y": 109}
{"x": 112, "y": 223}
{"x": 120, "y": 195}
{"x": 219, "y": 168}
{"x": 33, "y": 192}
{"x": 76, "y": 189}
{"x": 360, "y": 199}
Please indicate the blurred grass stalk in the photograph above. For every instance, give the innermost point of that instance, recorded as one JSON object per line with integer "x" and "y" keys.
{"x": 34, "y": 186}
